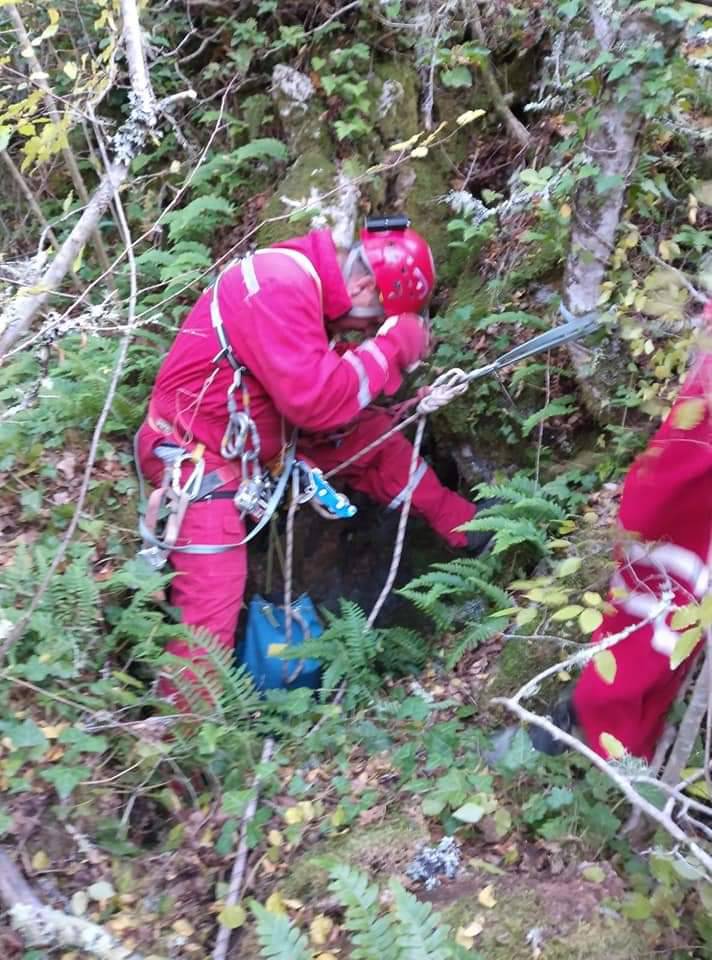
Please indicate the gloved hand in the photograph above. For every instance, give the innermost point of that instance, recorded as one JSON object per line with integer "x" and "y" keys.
{"x": 409, "y": 333}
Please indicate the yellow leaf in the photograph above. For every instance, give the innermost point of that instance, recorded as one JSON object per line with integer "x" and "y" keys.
{"x": 475, "y": 928}
{"x": 319, "y": 930}
{"x": 705, "y": 609}
{"x": 612, "y": 745}
{"x": 406, "y": 144}
{"x": 70, "y": 69}
{"x": 232, "y": 916}
{"x": 565, "y": 211}
{"x": 590, "y": 620}
{"x": 419, "y": 152}
{"x": 567, "y": 613}
{"x": 183, "y": 928}
{"x": 689, "y": 413}
{"x": 326, "y": 956}
{"x": 293, "y": 903}
{"x": 276, "y": 649}
{"x": 52, "y": 732}
{"x": 468, "y": 116}
{"x": 175, "y": 166}
{"x": 77, "y": 265}
{"x": 26, "y": 129}
{"x": 53, "y": 15}
{"x": 307, "y": 808}
{"x": 486, "y": 896}
{"x": 685, "y": 645}
{"x": 685, "y": 617}
{"x": 592, "y": 599}
{"x": 275, "y": 838}
{"x": 275, "y": 904}
{"x": 606, "y": 666}
{"x": 40, "y": 861}
{"x": 293, "y": 815}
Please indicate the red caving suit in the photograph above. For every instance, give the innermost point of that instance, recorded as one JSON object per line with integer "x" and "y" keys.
{"x": 274, "y": 313}
{"x": 666, "y": 510}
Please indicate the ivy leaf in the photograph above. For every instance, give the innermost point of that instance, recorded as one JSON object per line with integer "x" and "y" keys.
{"x": 65, "y": 779}
{"x": 26, "y": 734}
{"x": 689, "y": 413}
{"x": 606, "y": 666}
{"x": 685, "y": 645}
{"x": 469, "y": 813}
{"x": 456, "y": 77}
{"x": 590, "y": 620}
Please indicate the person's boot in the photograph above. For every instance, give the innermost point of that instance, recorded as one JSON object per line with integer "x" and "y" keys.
{"x": 564, "y": 717}
{"x": 480, "y": 541}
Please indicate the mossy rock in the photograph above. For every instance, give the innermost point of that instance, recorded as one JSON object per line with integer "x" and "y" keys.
{"x": 382, "y": 850}
{"x": 563, "y": 928}
{"x": 312, "y": 174}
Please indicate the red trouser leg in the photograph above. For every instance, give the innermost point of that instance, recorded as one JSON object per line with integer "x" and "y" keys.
{"x": 382, "y": 474}
{"x": 634, "y": 706}
{"x": 207, "y": 588}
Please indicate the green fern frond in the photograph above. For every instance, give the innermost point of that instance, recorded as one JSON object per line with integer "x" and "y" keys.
{"x": 421, "y": 933}
{"x": 372, "y": 936}
{"x": 474, "y": 635}
{"x": 279, "y": 938}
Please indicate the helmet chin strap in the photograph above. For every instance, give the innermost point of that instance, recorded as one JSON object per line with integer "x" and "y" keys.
{"x": 356, "y": 255}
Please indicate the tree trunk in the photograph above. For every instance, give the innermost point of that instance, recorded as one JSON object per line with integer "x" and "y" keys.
{"x": 612, "y": 147}
{"x": 18, "y": 316}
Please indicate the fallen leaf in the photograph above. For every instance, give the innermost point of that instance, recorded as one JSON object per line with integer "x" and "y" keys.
{"x": 275, "y": 904}
{"x": 40, "y": 861}
{"x": 275, "y": 838}
{"x": 486, "y": 896}
{"x": 593, "y": 873}
{"x": 183, "y": 928}
{"x": 79, "y": 903}
{"x": 102, "y": 890}
{"x": 319, "y": 930}
{"x": 232, "y": 916}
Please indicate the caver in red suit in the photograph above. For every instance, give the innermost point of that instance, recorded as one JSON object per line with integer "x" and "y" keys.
{"x": 666, "y": 516}
{"x": 276, "y": 311}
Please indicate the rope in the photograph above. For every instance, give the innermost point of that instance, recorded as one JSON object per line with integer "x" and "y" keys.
{"x": 402, "y": 524}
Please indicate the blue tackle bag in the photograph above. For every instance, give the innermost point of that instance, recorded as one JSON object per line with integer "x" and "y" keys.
{"x": 265, "y": 640}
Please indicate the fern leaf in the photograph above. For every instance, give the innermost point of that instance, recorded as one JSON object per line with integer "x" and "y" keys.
{"x": 475, "y": 635}
{"x": 279, "y": 938}
{"x": 198, "y": 216}
{"x": 557, "y": 408}
{"x": 372, "y": 936}
{"x": 421, "y": 934}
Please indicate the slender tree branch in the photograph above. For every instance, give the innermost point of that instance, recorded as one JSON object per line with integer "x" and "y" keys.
{"x": 618, "y": 778}
{"x": 70, "y": 160}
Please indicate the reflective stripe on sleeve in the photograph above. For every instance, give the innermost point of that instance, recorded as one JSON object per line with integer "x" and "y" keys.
{"x": 372, "y": 348}
{"x": 364, "y": 390}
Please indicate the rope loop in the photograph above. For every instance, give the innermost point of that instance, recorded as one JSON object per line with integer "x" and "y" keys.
{"x": 453, "y": 383}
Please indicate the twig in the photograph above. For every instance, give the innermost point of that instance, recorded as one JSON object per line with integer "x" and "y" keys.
{"x": 238, "y": 867}
{"x": 623, "y": 784}
{"x": 44, "y": 926}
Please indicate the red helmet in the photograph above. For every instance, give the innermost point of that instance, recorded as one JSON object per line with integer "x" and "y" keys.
{"x": 402, "y": 265}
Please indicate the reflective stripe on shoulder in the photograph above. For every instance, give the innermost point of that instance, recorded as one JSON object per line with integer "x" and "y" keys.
{"x": 398, "y": 500}
{"x": 364, "y": 390}
{"x": 302, "y": 261}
